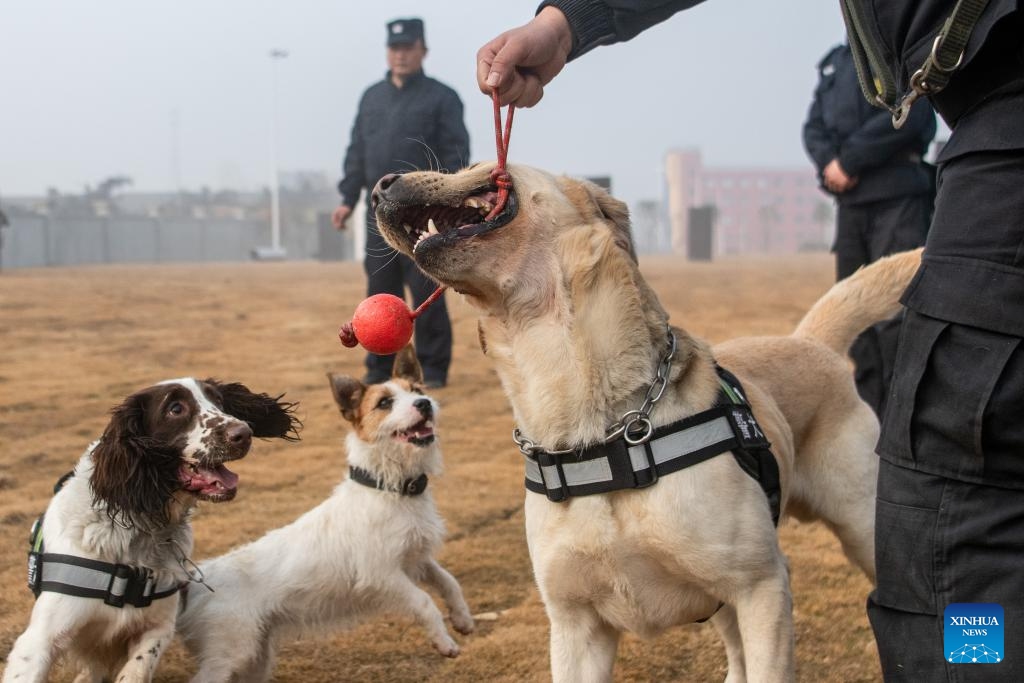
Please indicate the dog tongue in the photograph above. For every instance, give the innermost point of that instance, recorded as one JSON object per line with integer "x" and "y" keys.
{"x": 204, "y": 478}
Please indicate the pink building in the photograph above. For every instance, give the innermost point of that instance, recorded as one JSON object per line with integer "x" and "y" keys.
{"x": 763, "y": 210}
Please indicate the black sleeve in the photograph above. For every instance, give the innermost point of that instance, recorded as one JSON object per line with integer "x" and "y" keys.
{"x": 821, "y": 144}
{"x": 876, "y": 142}
{"x": 353, "y": 168}
{"x": 603, "y": 22}
{"x": 452, "y": 144}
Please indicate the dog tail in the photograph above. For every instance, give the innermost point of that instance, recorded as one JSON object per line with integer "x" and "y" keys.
{"x": 855, "y": 303}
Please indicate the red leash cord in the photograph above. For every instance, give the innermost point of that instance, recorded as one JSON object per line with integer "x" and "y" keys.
{"x": 500, "y": 176}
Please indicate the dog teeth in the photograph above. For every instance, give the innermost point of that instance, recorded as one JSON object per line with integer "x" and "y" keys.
{"x": 431, "y": 228}
{"x": 408, "y": 228}
{"x": 477, "y": 203}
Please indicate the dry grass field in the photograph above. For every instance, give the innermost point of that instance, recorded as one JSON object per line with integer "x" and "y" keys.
{"x": 75, "y": 341}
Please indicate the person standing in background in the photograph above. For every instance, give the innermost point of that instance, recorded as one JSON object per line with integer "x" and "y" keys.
{"x": 883, "y": 192}
{"x": 404, "y": 122}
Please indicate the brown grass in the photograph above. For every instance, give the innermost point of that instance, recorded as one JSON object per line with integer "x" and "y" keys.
{"x": 76, "y": 341}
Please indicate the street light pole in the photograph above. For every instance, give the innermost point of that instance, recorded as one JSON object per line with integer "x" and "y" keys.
{"x": 275, "y": 201}
{"x": 274, "y": 251}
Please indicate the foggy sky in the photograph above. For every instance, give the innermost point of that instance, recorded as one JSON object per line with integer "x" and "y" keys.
{"x": 179, "y": 92}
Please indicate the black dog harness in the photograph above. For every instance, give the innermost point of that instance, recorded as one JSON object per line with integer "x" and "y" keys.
{"x": 115, "y": 584}
{"x": 410, "y": 487}
{"x": 629, "y": 463}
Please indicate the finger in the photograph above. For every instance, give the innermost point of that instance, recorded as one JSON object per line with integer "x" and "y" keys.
{"x": 532, "y": 91}
{"x": 508, "y": 54}
{"x": 484, "y": 59}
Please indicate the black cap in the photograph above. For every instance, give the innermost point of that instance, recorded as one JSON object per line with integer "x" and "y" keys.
{"x": 405, "y": 32}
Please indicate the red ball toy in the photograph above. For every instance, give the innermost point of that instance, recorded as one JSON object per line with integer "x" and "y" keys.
{"x": 382, "y": 323}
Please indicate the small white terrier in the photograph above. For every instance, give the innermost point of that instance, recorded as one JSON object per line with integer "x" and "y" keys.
{"x": 357, "y": 554}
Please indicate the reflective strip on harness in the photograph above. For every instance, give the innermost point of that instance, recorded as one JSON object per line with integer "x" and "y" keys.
{"x": 116, "y": 584}
{"x": 663, "y": 450}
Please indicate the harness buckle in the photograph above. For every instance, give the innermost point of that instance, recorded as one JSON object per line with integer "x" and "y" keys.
{"x": 555, "y": 495}
{"x": 652, "y": 467}
{"x": 130, "y": 586}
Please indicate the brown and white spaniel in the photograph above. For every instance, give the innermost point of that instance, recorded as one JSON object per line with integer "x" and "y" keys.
{"x": 114, "y": 546}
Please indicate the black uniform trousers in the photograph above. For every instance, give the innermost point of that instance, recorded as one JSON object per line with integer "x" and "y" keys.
{"x": 950, "y": 507}
{"x": 388, "y": 271}
{"x": 865, "y": 232}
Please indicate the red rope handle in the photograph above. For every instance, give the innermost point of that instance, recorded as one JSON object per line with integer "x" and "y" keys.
{"x": 429, "y": 300}
{"x": 500, "y": 176}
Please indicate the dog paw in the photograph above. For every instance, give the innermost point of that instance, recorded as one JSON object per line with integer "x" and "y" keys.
{"x": 462, "y": 622}
{"x": 447, "y": 647}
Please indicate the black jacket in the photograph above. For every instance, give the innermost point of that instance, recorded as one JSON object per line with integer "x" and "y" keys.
{"x": 906, "y": 28}
{"x": 417, "y": 126}
{"x": 842, "y": 125}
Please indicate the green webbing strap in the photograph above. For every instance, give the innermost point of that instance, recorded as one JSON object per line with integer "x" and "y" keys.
{"x": 876, "y": 80}
{"x": 948, "y": 49}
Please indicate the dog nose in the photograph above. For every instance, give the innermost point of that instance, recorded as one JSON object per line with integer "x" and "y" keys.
{"x": 423, "y": 405}
{"x": 381, "y": 188}
{"x": 239, "y": 435}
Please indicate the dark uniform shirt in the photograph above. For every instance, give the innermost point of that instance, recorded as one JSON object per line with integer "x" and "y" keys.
{"x": 417, "y": 126}
{"x": 842, "y": 125}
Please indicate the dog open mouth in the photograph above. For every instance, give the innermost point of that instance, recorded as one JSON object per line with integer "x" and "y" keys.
{"x": 429, "y": 226}
{"x": 216, "y": 483}
{"x": 420, "y": 434}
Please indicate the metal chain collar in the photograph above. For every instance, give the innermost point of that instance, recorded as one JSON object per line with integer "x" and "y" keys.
{"x": 634, "y": 426}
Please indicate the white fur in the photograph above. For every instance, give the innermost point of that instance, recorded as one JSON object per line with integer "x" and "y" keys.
{"x": 100, "y": 636}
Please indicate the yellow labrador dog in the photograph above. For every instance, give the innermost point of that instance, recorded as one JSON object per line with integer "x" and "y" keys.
{"x": 579, "y": 341}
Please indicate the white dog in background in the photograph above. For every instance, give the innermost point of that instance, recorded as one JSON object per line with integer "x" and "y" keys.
{"x": 357, "y": 554}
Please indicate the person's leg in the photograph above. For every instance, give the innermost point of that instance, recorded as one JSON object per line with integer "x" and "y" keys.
{"x": 891, "y": 226}
{"x": 433, "y": 327}
{"x": 943, "y": 541}
{"x": 850, "y": 247}
{"x": 383, "y": 276}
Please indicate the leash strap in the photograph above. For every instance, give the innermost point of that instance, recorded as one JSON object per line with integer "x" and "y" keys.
{"x": 877, "y": 81}
{"x": 729, "y": 426}
{"x": 409, "y": 487}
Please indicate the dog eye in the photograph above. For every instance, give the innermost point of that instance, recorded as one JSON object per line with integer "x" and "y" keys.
{"x": 177, "y": 408}
{"x": 385, "y": 403}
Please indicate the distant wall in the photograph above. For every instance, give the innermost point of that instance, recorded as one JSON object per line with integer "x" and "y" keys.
{"x": 37, "y": 241}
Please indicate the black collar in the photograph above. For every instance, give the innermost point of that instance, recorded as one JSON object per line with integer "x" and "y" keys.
{"x": 409, "y": 487}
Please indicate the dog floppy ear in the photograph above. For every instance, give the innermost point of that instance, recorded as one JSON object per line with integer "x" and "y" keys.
{"x": 347, "y": 392}
{"x": 133, "y": 474}
{"x": 407, "y": 366}
{"x": 267, "y": 416}
{"x": 617, "y": 213}
{"x": 592, "y": 199}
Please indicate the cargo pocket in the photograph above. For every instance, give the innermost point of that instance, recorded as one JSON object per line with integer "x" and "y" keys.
{"x": 947, "y": 428}
{"x": 905, "y": 557}
{"x": 917, "y": 336}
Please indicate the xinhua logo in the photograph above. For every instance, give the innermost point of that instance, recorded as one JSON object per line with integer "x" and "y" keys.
{"x": 974, "y": 633}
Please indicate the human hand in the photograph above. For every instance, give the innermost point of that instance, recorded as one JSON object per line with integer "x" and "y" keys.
{"x": 340, "y": 216}
{"x": 836, "y": 179}
{"x": 520, "y": 62}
